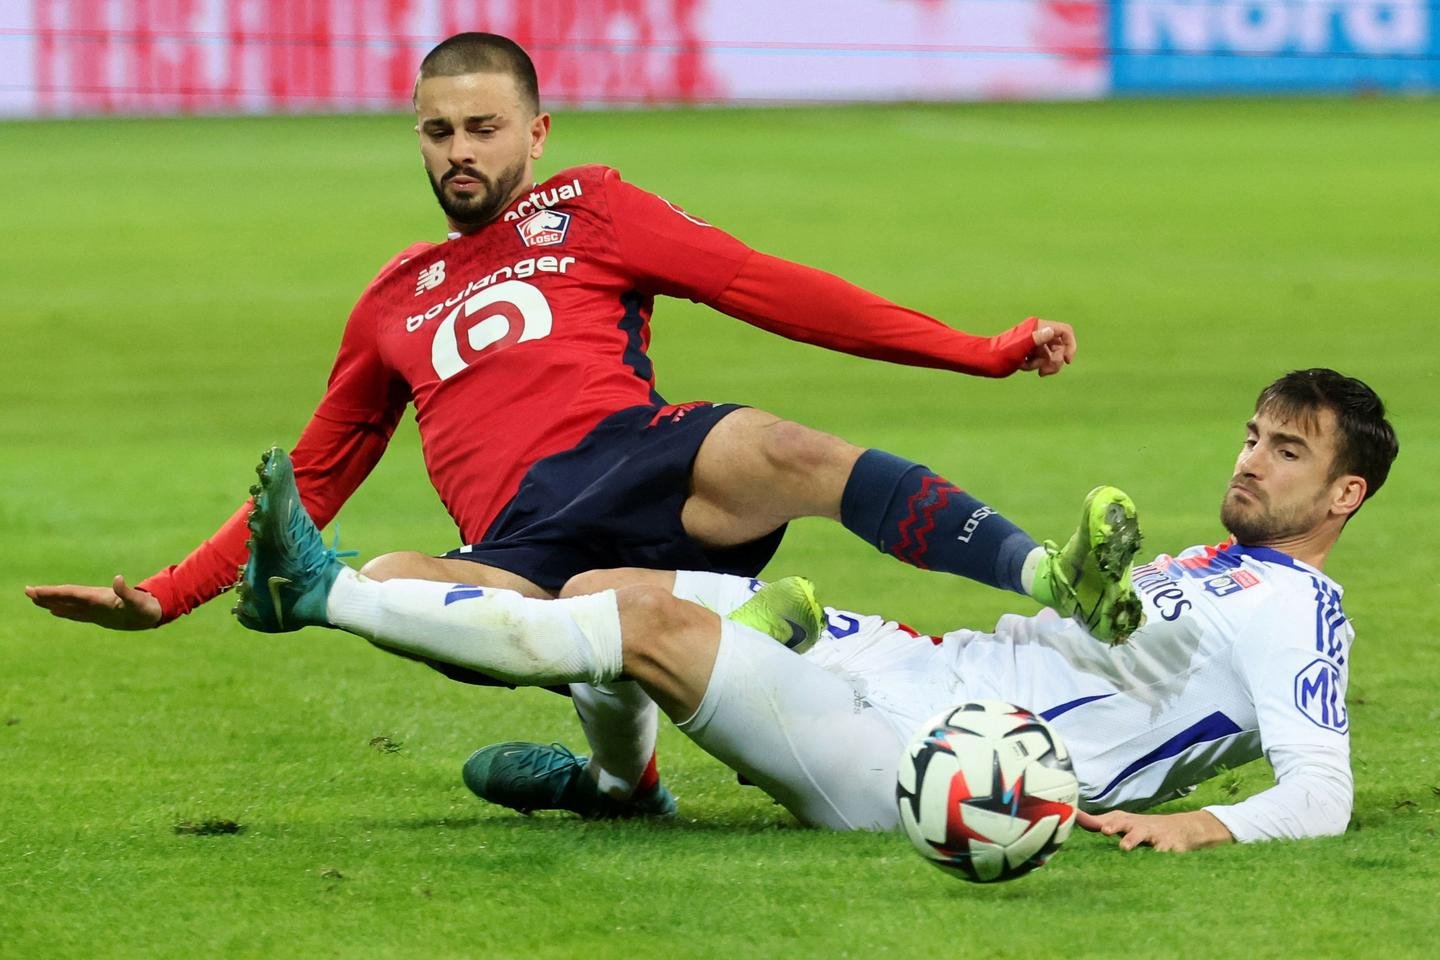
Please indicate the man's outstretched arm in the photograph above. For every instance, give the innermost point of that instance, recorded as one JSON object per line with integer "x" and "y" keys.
{"x": 812, "y": 306}
{"x": 672, "y": 253}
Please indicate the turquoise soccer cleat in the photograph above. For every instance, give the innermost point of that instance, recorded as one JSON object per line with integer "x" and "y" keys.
{"x": 532, "y": 776}
{"x": 287, "y": 580}
{"x": 1089, "y": 578}
{"x": 786, "y": 610}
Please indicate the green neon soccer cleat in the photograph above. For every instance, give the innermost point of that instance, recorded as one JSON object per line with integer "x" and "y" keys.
{"x": 532, "y": 776}
{"x": 1089, "y": 578}
{"x": 285, "y": 584}
{"x": 786, "y": 610}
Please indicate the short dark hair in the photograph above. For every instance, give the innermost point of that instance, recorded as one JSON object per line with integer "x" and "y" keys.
{"x": 482, "y": 53}
{"x": 1367, "y": 444}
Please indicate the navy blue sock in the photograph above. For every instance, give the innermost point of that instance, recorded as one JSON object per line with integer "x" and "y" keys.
{"x": 906, "y": 510}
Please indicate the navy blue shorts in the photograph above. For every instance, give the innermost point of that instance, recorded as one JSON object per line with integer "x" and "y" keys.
{"x": 614, "y": 500}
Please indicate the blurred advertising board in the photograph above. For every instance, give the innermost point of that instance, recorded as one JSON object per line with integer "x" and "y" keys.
{"x": 89, "y": 57}
{"x": 1265, "y": 46}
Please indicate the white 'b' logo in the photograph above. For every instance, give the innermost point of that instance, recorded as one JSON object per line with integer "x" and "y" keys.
{"x": 507, "y": 313}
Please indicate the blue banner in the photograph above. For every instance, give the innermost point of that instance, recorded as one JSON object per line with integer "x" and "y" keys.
{"x": 1274, "y": 46}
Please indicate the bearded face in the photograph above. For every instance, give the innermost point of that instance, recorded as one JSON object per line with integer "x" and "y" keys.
{"x": 1281, "y": 487}
{"x": 479, "y": 138}
{"x": 470, "y": 198}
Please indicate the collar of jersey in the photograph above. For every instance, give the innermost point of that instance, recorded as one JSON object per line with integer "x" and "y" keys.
{"x": 1269, "y": 555}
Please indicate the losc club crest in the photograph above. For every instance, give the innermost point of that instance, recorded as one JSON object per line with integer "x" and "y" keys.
{"x": 544, "y": 229}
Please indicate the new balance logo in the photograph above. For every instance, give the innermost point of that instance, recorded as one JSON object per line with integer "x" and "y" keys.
{"x": 430, "y": 278}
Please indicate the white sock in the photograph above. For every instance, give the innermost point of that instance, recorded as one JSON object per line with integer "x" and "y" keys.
{"x": 620, "y": 722}
{"x": 1027, "y": 572}
{"x": 498, "y": 632}
{"x": 718, "y": 592}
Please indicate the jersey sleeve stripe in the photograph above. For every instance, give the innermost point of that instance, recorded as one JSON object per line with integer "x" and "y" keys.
{"x": 632, "y": 323}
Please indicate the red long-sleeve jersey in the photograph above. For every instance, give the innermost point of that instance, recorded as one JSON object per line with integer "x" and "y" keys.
{"x": 515, "y": 341}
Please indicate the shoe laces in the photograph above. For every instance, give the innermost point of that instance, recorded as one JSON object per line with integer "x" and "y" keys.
{"x": 314, "y": 555}
{"x": 552, "y": 770}
{"x": 541, "y": 762}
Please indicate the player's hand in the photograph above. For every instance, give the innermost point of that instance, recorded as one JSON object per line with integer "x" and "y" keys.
{"x": 1172, "y": 832}
{"x": 116, "y": 607}
{"x": 1054, "y": 348}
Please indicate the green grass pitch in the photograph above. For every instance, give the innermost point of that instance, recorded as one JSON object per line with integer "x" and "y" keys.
{"x": 171, "y": 293}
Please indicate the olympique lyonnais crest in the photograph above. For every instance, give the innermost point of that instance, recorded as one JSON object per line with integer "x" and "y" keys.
{"x": 544, "y": 229}
{"x": 1226, "y": 584}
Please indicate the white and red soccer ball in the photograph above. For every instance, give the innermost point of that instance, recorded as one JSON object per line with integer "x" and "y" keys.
{"x": 986, "y": 791}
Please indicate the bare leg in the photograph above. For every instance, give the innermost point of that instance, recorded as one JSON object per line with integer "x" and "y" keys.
{"x": 408, "y": 565}
{"x": 755, "y": 471}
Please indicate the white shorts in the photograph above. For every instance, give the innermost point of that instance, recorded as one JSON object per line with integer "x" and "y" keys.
{"x": 805, "y": 729}
{"x": 905, "y": 676}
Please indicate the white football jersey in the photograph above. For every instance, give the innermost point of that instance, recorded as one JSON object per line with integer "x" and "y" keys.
{"x": 1244, "y": 651}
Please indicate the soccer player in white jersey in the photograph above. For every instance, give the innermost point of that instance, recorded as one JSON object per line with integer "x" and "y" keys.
{"x": 1244, "y": 653}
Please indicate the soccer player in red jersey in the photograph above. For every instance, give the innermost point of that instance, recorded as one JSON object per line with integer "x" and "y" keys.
{"x": 521, "y": 341}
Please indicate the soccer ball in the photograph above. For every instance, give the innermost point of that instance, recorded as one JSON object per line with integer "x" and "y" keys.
{"x": 986, "y": 791}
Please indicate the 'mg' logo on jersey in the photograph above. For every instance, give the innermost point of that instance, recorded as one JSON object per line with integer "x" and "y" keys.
{"x": 1320, "y": 695}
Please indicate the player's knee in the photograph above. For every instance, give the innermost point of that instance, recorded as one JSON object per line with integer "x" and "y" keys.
{"x": 585, "y": 583}
{"x": 650, "y": 604}
{"x": 651, "y": 620}
{"x": 403, "y": 564}
{"x": 795, "y": 449}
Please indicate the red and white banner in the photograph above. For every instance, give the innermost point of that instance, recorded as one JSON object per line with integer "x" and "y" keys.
{"x": 68, "y": 57}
